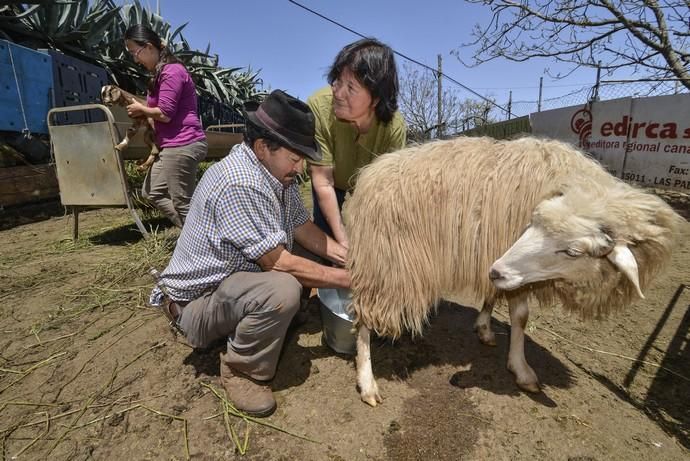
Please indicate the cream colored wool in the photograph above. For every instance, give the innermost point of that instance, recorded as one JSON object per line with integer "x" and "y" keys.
{"x": 430, "y": 220}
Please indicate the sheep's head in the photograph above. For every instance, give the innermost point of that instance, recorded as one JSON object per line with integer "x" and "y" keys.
{"x": 571, "y": 242}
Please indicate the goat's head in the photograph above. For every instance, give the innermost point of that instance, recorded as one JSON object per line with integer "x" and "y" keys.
{"x": 111, "y": 94}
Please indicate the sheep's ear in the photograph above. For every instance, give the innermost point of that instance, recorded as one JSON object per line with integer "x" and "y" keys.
{"x": 624, "y": 260}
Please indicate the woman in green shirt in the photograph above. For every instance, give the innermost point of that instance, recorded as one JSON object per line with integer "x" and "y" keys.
{"x": 356, "y": 121}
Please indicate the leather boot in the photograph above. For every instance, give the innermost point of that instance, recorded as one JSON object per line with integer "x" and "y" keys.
{"x": 246, "y": 394}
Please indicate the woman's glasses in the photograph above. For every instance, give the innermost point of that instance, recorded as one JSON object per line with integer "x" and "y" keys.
{"x": 135, "y": 54}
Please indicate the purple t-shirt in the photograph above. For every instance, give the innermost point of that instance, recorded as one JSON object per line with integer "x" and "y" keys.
{"x": 175, "y": 95}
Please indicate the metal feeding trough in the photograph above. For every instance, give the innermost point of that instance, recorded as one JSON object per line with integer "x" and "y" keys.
{"x": 336, "y": 321}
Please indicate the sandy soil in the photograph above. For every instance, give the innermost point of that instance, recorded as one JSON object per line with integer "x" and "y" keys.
{"x": 88, "y": 372}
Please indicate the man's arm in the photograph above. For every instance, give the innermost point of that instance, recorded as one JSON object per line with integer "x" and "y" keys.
{"x": 318, "y": 242}
{"x": 307, "y": 272}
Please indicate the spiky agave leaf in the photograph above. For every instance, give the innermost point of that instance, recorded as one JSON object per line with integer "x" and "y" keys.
{"x": 95, "y": 34}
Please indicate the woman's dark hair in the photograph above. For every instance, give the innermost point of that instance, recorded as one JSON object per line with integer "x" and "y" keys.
{"x": 373, "y": 64}
{"x": 141, "y": 35}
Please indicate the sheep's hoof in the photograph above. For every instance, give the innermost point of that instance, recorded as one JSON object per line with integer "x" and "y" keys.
{"x": 371, "y": 397}
{"x": 530, "y": 383}
{"x": 372, "y": 400}
{"x": 485, "y": 335}
{"x": 530, "y": 387}
{"x": 525, "y": 378}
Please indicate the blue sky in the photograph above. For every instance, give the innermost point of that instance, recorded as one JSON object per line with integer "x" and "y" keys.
{"x": 293, "y": 47}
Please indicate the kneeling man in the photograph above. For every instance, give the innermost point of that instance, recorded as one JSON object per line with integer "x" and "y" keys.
{"x": 233, "y": 272}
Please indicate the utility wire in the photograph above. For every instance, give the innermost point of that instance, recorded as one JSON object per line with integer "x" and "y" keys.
{"x": 435, "y": 71}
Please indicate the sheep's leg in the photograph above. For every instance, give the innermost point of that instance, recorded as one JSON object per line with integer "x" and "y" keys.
{"x": 525, "y": 377}
{"x": 483, "y": 324}
{"x": 368, "y": 389}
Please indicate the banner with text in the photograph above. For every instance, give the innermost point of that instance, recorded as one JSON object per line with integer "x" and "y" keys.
{"x": 643, "y": 140}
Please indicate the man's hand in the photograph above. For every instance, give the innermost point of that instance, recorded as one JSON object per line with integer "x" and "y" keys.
{"x": 307, "y": 272}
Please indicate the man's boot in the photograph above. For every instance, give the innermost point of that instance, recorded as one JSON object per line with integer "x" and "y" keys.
{"x": 246, "y": 394}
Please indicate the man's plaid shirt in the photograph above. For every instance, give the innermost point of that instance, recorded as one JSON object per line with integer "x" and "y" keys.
{"x": 238, "y": 213}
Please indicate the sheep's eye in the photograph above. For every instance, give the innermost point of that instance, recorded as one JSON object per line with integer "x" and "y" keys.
{"x": 572, "y": 252}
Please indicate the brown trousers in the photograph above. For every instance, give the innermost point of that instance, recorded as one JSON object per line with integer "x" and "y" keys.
{"x": 254, "y": 310}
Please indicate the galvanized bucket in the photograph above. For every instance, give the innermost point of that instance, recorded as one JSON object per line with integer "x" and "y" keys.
{"x": 336, "y": 321}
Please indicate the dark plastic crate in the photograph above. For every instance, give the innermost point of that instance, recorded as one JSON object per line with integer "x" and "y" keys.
{"x": 75, "y": 83}
{"x": 34, "y": 75}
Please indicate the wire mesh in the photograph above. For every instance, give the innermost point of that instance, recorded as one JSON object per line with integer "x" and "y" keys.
{"x": 606, "y": 90}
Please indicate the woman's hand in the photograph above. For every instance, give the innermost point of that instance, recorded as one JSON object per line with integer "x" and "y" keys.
{"x": 341, "y": 236}
{"x": 323, "y": 183}
{"x": 136, "y": 109}
{"x": 337, "y": 252}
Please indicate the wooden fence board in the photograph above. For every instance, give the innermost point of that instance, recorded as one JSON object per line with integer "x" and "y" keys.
{"x": 26, "y": 184}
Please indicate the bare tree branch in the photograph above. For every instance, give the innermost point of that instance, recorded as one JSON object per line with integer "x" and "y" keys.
{"x": 419, "y": 105}
{"x": 648, "y": 36}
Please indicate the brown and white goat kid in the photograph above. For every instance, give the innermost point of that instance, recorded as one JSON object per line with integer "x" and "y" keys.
{"x": 112, "y": 95}
{"x": 484, "y": 219}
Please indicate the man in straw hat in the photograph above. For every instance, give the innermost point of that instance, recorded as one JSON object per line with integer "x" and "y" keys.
{"x": 233, "y": 273}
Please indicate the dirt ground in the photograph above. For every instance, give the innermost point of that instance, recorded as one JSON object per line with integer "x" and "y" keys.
{"x": 87, "y": 371}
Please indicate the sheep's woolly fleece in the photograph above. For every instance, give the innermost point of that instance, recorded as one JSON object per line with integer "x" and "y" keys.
{"x": 429, "y": 220}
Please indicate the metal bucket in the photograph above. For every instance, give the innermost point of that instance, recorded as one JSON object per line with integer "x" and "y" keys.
{"x": 336, "y": 321}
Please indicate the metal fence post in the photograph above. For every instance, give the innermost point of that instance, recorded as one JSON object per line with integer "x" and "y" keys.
{"x": 596, "y": 86}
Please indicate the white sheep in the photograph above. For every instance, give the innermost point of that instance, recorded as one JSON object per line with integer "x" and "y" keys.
{"x": 432, "y": 222}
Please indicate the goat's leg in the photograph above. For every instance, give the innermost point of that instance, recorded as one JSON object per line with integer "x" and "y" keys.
{"x": 123, "y": 144}
{"x": 150, "y": 140}
{"x": 483, "y": 324}
{"x": 131, "y": 131}
{"x": 368, "y": 389}
{"x": 149, "y": 161}
{"x": 525, "y": 377}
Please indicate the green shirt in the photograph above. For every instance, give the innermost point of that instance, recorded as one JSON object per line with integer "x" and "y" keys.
{"x": 339, "y": 144}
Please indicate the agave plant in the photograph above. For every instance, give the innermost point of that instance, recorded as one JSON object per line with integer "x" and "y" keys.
{"x": 222, "y": 91}
{"x": 94, "y": 32}
{"x": 72, "y": 27}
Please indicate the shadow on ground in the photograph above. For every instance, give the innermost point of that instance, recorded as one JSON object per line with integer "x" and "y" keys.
{"x": 129, "y": 233}
{"x": 448, "y": 340}
{"x": 28, "y": 214}
{"x": 666, "y": 402}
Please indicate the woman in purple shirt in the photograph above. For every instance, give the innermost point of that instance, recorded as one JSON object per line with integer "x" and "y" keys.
{"x": 172, "y": 105}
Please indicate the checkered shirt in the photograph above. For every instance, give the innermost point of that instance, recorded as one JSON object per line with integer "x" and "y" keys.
{"x": 238, "y": 213}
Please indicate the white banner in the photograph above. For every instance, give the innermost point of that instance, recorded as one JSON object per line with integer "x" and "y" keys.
{"x": 643, "y": 140}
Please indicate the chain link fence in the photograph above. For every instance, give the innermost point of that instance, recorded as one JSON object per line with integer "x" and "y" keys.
{"x": 605, "y": 90}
